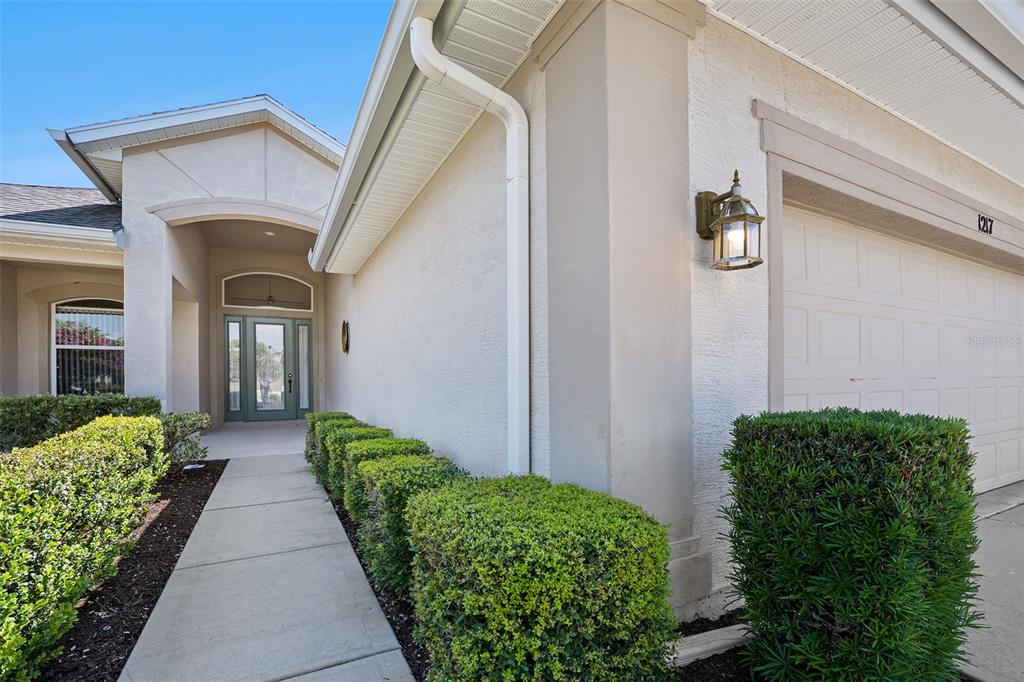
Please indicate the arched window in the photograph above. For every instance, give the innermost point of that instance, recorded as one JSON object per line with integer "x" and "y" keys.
{"x": 88, "y": 347}
{"x": 268, "y": 291}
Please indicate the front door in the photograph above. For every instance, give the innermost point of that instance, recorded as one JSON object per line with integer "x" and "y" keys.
{"x": 268, "y": 367}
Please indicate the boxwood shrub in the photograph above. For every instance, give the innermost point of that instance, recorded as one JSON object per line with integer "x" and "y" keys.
{"x": 66, "y": 507}
{"x": 519, "y": 579}
{"x": 314, "y": 418}
{"x": 319, "y": 426}
{"x": 338, "y": 436}
{"x": 363, "y": 450}
{"x": 29, "y": 419}
{"x": 851, "y": 540}
{"x": 387, "y": 485}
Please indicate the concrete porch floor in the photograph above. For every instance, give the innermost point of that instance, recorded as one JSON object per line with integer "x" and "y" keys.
{"x": 268, "y": 586}
{"x": 255, "y": 439}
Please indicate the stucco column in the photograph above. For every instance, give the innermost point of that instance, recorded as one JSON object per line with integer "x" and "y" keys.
{"x": 619, "y": 281}
{"x": 148, "y": 300}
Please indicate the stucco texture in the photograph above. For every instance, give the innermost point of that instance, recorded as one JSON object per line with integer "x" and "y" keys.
{"x": 168, "y": 266}
{"x": 727, "y": 70}
{"x": 427, "y": 309}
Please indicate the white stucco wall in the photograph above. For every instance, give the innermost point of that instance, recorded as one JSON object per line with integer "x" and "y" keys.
{"x": 727, "y": 70}
{"x": 427, "y": 310}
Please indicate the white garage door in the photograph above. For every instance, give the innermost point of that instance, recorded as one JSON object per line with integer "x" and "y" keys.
{"x": 879, "y": 323}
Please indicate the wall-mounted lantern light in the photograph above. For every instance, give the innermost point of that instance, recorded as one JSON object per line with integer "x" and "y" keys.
{"x": 733, "y": 225}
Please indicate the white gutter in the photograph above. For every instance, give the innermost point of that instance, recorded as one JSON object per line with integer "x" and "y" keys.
{"x": 99, "y": 236}
{"x": 447, "y": 74}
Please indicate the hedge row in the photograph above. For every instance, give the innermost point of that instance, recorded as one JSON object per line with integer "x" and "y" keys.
{"x": 516, "y": 578}
{"x": 851, "y": 539}
{"x": 66, "y": 507}
{"x": 511, "y": 578}
{"x": 27, "y": 420}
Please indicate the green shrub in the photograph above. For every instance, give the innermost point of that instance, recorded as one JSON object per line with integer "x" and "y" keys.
{"x": 66, "y": 507}
{"x": 317, "y": 456}
{"x": 519, "y": 579}
{"x": 339, "y": 435}
{"x": 322, "y": 426}
{"x": 314, "y": 418}
{"x": 181, "y": 436}
{"x": 851, "y": 540}
{"x": 29, "y": 419}
{"x": 363, "y": 450}
{"x": 387, "y": 485}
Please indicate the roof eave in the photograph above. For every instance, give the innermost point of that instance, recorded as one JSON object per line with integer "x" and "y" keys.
{"x": 80, "y": 160}
{"x": 389, "y": 78}
{"x": 69, "y": 233}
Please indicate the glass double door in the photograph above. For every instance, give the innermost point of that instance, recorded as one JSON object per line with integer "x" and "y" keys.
{"x": 268, "y": 368}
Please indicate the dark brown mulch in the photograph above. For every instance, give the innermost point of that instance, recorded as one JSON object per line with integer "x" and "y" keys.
{"x": 397, "y": 608}
{"x": 725, "y": 667}
{"x": 112, "y": 614}
{"x": 699, "y": 625}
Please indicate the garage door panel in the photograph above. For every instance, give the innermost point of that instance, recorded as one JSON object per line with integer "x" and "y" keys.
{"x": 897, "y": 325}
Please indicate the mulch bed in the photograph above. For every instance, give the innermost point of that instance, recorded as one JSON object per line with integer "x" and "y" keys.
{"x": 724, "y": 667}
{"x": 397, "y": 608}
{"x": 112, "y": 614}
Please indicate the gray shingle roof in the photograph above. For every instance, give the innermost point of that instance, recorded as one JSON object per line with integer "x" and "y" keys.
{"x": 59, "y": 206}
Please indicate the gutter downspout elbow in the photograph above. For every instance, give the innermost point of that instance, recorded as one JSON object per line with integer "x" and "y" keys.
{"x": 471, "y": 88}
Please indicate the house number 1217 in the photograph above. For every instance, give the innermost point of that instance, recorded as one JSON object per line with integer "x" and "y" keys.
{"x": 985, "y": 224}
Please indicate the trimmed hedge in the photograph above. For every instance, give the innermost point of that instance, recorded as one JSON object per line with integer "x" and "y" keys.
{"x": 319, "y": 427}
{"x": 519, "y": 579}
{"x": 363, "y": 450}
{"x": 312, "y": 420}
{"x": 66, "y": 507}
{"x": 29, "y": 419}
{"x": 337, "y": 438}
{"x": 387, "y": 485}
{"x": 851, "y": 539}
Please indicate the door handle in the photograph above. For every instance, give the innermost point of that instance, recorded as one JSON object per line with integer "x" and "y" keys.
{"x": 289, "y": 382}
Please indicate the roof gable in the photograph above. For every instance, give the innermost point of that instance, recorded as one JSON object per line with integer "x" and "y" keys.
{"x": 97, "y": 148}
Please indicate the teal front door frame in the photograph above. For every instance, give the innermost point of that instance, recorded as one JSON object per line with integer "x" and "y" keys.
{"x": 268, "y": 368}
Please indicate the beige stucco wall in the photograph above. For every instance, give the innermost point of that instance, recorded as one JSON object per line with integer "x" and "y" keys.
{"x": 36, "y": 289}
{"x": 427, "y": 310}
{"x": 727, "y": 70}
{"x": 255, "y": 164}
{"x": 8, "y": 328}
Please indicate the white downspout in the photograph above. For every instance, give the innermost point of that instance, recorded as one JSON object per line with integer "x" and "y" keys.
{"x": 446, "y": 73}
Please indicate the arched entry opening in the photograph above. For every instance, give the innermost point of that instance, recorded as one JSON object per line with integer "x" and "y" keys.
{"x": 268, "y": 346}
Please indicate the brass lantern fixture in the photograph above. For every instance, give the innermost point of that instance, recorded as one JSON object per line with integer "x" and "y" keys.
{"x": 733, "y": 225}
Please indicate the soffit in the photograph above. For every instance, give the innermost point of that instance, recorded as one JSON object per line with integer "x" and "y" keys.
{"x": 490, "y": 38}
{"x": 872, "y": 48}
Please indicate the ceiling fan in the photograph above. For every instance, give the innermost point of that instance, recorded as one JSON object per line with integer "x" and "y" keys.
{"x": 269, "y": 300}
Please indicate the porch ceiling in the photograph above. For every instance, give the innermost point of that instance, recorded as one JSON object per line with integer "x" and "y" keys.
{"x": 251, "y": 235}
{"x": 490, "y": 38}
{"x": 888, "y": 52}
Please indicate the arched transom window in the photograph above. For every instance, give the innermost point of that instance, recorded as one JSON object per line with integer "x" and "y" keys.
{"x": 88, "y": 347}
{"x": 268, "y": 291}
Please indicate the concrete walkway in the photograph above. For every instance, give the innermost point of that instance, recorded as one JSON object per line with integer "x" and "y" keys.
{"x": 997, "y": 652}
{"x": 268, "y": 587}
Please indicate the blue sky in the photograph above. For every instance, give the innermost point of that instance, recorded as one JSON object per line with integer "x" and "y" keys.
{"x": 64, "y": 64}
